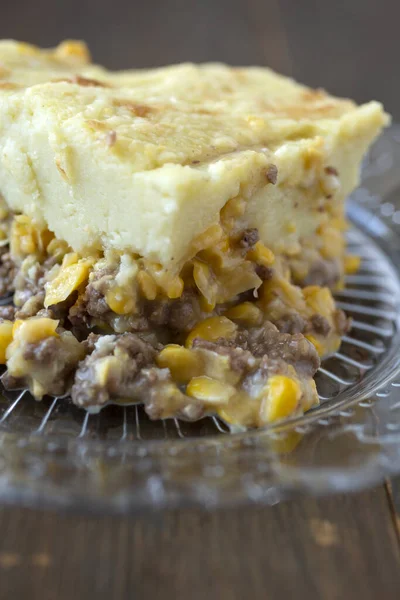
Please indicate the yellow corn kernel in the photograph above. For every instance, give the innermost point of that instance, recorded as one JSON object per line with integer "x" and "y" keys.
{"x": 319, "y": 346}
{"x": 205, "y": 305}
{"x": 339, "y": 286}
{"x": 172, "y": 285}
{"x": 70, "y": 259}
{"x": 289, "y": 294}
{"x": 282, "y": 398}
{"x": 247, "y": 313}
{"x": 233, "y": 209}
{"x": 211, "y": 330}
{"x": 319, "y": 300}
{"x": 351, "y": 264}
{"x": 6, "y": 336}
{"x": 174, "y": 288}
{"x": 120, "y": 302}
{"x": 73, "y": 49}
{"x": 261, "y": 255}
{"x": 69, "y": 279}
{"x": 210, "y": 390}
{"x": 57, "y": 248}
{"x": 340, "y": 223}
{"x": 310, "y": 396}
{"x": 4, "y": 212}
{"x": 291, "y": 227}
{"x": 147, "y": 285}
{"x": 102, "y": 368}
{"x": 333, "y": 243}
{"x": 182, "y": 363}
{"x": 16, "y": 325}
{"x": 35, "y": 329}
{"x": 24, "y": 236}
{"x": 205, "y": 281}
{"x": 44, "y": 238}
{"x": 209, "y": 237}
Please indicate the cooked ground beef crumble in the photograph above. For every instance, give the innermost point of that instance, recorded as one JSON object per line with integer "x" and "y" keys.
{"x": 100, "y": 356}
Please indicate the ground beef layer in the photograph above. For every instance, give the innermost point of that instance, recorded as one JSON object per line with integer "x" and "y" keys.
{"x": 245, "y": 347}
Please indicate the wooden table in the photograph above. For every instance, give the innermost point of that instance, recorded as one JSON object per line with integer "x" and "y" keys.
{"x": 329, "y": 548}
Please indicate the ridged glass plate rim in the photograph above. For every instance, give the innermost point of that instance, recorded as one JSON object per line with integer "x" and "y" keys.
{"x": 251, "y": 467}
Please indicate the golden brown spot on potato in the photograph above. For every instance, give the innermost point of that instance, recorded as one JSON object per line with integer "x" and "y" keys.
{"x": 94, "y": 124}
{"x": 60, "y": 169}
{"x": 83, "y": 81}
{"x": 312, "y": 95}
{"x": 8, "y": 85}
{"x": 89, "y": 82}
{"x": 73, "y": 51}
{"x": 4, "y": 72}
{"x": 139, "y": 110}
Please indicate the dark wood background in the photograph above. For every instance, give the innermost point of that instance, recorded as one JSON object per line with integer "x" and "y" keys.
{"x": 332, "y": 548}
{"x": 350, "y": 47}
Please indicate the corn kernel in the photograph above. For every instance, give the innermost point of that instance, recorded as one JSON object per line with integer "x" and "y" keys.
{"x": 182, "y": 363}
{"x": 319, "y": 346}
{"x": 282, "y": 398}
{"x": 289, "y": 294}
{"x": 351, "y": 264}
{"x": 332, "y": 243}
{"x": 319, "y": 300}
{"x": 69, "y": 279}
{"x": 103, "y": 368}
{"x": 120, "y": 301}
{"x": 246, "y": 313}
{"x": 25, "y": 237}
{"x": 261, "y": 255}
{"x": 205, "y": 281}
{"x": 6, "y": 335}
{"x": 310, "y": 397}
{"x": 208, "y": 238}
{"x": 205, "y": 305}
{"x": 340, "y": 223}
{"x": 291, "y": 227}
{"x": 44, "y": 238}
{"x": 210, "y": 390}
{"x": 233, "y": 209}
{"x": 35, "y": 329}
{"x": 4, "y": 212}
{"x": 57, "y": 248}
{"x": 147, "y": 285}
{"x": 73, "y": 49}
{"x": 16, "y": 326}
{"x": 70, "y": 259}
{"x": 174, "y": 287}
{"x": 212, "y": 329}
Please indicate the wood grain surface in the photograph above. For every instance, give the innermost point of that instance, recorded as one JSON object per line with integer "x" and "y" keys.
{"x": 333, "y": 548}
{"x": 340, "y": 547}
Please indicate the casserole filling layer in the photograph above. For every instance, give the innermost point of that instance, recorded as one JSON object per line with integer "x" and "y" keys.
{"x": 231, "y": 334}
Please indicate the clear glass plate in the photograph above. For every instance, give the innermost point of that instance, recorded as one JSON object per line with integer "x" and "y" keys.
{"x": 54, "y": 454}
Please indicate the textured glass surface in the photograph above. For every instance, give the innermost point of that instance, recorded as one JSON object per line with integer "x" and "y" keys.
{"x": 52, "y": 453}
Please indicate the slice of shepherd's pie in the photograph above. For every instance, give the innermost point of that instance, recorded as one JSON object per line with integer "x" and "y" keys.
{"x": 171, "y": 236}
